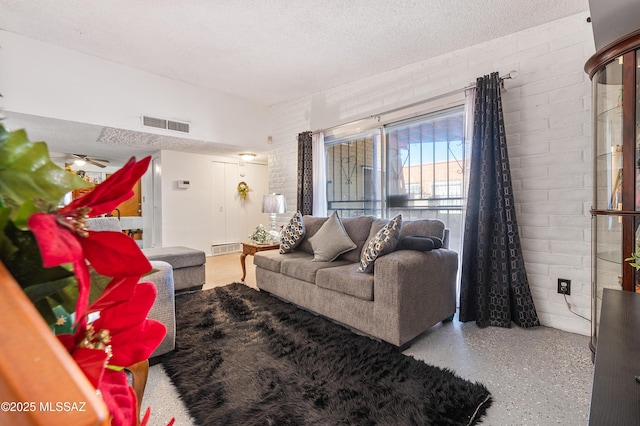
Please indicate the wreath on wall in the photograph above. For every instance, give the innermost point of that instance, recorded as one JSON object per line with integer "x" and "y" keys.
{"x": 243, "y": 190}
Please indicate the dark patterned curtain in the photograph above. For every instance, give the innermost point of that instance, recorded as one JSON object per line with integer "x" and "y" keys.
{"x": 305, "y": 173}
{"x": 494, "y": 289}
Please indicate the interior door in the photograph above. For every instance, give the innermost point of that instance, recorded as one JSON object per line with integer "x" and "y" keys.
{"x": 225, "y": 214}
{"x": 156, "y": 219}
{"x": 133, "y": 206}
{"x": 219, "y": 203}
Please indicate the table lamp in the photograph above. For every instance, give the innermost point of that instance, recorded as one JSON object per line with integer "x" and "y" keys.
{"x": 273, "y": 204}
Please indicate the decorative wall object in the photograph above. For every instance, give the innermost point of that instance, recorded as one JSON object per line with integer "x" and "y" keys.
{"x": 243, "y": 190}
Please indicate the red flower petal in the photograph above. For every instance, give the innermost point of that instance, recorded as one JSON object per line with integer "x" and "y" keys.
{"x": 133, "y": 336}
{"x": 68, "y": 341}
{"x": 114, "y": 254}
{"x": 119, "y": 397}
{"x": 145, "y": 418}
{"x": 136, "y": 344}
{"x": 130, "y": 313}
{"x": 58, "y": 245}
{"x": 92, "y": 362}
{"x": 113, "y": 191}
{"x": 118, "y": 290}
{"x": 81, "y": 271}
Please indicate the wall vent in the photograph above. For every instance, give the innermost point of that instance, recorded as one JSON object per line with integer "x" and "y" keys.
{"x": 178, "y": 126}
{"x": 154, "y": 122}
{"x": 161, "y": 123}
{"x": 218, "y": 249}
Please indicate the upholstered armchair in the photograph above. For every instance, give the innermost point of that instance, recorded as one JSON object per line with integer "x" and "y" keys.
{"x": 164, "y": 308}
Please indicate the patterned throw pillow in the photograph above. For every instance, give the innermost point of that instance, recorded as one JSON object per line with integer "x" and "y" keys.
{"x": 292, "y": 234}
{"x": 385, "y": 241}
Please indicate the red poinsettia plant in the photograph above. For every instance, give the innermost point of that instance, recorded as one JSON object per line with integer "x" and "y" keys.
{"x": 65, "y": 268}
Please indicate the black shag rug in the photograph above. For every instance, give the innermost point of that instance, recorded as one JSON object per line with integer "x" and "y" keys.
{"x": 244, "y": 357}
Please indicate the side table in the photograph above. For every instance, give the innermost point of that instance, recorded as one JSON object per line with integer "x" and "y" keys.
{"x": 251, "y": 249}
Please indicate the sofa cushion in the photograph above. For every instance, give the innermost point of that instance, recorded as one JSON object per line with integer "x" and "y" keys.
{"x": 304, "y": 268}
{"x": 347, "y": 280}
{"x": 423, "y": 228}
{"x": 358, "y": 230}
{"x": 271, "y": 259}
{"x": 331, "y": 240}
{"x": 292, "y": 234}
{"x": 178, "y": 257}
{"x": 419, "y": 243}
{"x": 385, "y": 241}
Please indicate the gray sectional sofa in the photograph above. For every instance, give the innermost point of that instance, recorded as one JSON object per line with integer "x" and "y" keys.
{"x": 176, "y": 269}
{"x": 408, "y": 292}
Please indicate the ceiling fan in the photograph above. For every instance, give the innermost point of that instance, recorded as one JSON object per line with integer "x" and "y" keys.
{"x": 81, "y": 160}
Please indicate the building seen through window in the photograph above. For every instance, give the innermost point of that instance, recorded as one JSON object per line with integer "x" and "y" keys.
{"x": 415, "y": 167}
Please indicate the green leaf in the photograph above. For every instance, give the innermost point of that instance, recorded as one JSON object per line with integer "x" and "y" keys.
{"x": 67, "y": 326}
{"x": 25, "y": 263}
{"x": 27, "y": 173}
{"x": 634, "y": 260}
{"x": 46, "y": 312}
{"x": 69, "y": 295}
{"x": 24, "y": 212}
{"x": 41, "y": 291}
{"x": 26, "y": 258}
{"x": 7, "y": 248}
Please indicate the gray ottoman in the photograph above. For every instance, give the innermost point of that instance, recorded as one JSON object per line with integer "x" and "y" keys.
{"x": 188, "y": 265}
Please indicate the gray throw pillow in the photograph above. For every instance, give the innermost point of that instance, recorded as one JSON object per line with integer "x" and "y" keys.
{"x": 292, "y": 234}
{"x": 384, "y": 242}
{"x": 331, "y": 240}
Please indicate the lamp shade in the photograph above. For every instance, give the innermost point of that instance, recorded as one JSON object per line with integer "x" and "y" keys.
{"x": 274, "y": 203}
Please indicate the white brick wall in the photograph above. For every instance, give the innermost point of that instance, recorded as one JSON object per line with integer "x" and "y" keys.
{"x": 548, "y": 122}
{"x": 288, "y": 120}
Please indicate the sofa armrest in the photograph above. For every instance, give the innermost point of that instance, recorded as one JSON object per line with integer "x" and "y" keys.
{"x": 164, "y": 307}
{"x": 420, "y": 286}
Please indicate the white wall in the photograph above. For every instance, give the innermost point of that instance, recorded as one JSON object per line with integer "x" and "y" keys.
{"x": 42, "y": 79}
{"x": 548, "y": 122}
{"x": 187, "y": 214}
{"x": 45, "y": 80}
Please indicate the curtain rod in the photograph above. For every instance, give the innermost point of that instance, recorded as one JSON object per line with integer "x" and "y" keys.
{"x": 511, "y": 76}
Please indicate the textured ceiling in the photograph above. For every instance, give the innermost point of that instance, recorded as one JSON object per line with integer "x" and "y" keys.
{"x": 276, "y": 50}
{"x": 268, "y": 51}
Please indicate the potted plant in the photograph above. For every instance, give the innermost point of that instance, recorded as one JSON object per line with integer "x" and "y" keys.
{"x": 62, "y": 267}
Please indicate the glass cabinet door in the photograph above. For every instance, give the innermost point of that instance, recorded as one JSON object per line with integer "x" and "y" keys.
{"x": 607, "y": 229}
{"x": 607, "y": 102}
{"x": 636, "y": 137}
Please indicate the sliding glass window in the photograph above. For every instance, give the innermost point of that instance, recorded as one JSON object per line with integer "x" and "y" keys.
{"x": 425, "y": 159}
{"x": 413, "y": 167}
{"x": 354, "y": 174}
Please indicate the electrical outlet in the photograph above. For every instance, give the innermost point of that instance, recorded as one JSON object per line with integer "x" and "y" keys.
{"x": 564, "y": 286}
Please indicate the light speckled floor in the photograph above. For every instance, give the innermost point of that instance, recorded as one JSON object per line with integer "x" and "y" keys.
{"x": 540, "y": 376}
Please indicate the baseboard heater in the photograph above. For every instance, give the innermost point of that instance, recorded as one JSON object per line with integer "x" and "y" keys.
{"x": 224, "y": 248}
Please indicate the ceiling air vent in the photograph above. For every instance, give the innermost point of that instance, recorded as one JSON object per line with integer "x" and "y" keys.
{"x": 178, "y": 126}
{"x": 154, "y": 122}
{"x": 161, "y": 123}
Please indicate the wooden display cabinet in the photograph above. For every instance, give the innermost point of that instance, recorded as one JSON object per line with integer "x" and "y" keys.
{"x": 615, "y": 74}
